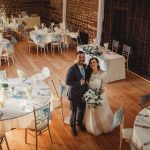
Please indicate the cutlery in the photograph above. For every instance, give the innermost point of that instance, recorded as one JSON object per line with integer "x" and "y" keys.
{"x": 43, "y": 94}
{"x": 142, "y": 126}
{"x": 147, "y": 143}
{"x": 24, "y": 80}
{"x": 143, "y": 115}
{"x": 45, "y": 89}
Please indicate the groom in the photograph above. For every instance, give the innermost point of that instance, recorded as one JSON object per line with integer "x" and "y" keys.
{"x": 75, "y": 79}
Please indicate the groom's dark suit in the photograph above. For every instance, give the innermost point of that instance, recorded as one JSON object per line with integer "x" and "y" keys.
{"x": 75, "y": 93}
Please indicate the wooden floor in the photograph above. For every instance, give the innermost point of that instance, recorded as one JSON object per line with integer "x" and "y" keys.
{"x": 124, "y": 92}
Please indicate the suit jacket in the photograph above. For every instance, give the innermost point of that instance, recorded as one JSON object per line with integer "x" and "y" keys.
{"x": 75, "y": 90}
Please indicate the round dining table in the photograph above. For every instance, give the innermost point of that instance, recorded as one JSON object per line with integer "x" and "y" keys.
{"x": 17, "y": 111}
{"x": 141, "y": 129}
{"x": 48, "y": 36}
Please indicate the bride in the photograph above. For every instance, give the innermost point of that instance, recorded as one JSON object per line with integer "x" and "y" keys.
{"x": 100, "y": 119}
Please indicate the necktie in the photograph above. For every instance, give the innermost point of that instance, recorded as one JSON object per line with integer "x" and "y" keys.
{"x": 83, "y": 72}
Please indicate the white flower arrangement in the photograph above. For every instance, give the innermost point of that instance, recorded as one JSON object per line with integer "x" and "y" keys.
{"x": 3, "y": 85}
{"x": 92, "y": 98}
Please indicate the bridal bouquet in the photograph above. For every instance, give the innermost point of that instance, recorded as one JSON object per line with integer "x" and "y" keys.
{"x": 92, "y": 98}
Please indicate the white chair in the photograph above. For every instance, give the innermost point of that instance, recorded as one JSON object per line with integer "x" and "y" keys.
{"x": 115, "y": 46}
{"x": 126, "y": 53}
{"x": 28, "y": 90}
{"x": 21, "y": 74}
{"x": 76, "y": 36}
{"x": 30, "y": 43}
{"x": 66, "y": 40}
{"x": 3, "y": 137}
{"x": 40, "y": 43}
{"x": 42, "y": 117}
{"x": 125, "y": 133}
{"x": 42, "y": 46}
{"x": 56, "y": 42}
{"x": 6, "y": 54}
{"x": 58, "y": 102}
{"x": 43, "y": 75}
{"x": 3, "y": 74}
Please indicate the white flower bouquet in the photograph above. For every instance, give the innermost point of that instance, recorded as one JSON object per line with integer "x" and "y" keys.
{"x": 92, "y": 98}
{"x": 3, "y": 85}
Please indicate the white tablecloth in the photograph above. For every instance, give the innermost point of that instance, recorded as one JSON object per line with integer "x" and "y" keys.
{"x": 11, "y": 26}
{"x": 112, "y": 63}
{"x": 48, "y": 36}
{"x": 18, "y": 109}
{"x": 142, "y": 135}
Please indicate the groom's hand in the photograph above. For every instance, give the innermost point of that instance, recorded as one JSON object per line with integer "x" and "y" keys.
{"x": 82, "y": 81}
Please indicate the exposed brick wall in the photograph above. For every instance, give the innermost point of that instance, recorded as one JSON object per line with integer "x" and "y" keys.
{"x": 16, "y": 6}
{"x": 81, "y": 14}
{"x": 52, "y": 11}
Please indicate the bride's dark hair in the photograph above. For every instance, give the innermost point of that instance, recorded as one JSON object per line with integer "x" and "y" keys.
{"x": 89, "y": 70}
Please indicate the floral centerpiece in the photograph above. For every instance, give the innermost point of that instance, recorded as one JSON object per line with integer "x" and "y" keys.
{"x": 3, "y": 85}
{"x": 92, "y": 98}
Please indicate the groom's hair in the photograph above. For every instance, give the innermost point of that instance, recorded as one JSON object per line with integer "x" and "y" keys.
{"x": 79, "y": 52}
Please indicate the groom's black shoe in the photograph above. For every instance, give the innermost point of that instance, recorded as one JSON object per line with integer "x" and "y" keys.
{"x": 82, "y": 127}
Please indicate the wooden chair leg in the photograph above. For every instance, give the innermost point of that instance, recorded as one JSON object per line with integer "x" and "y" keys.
{"x": 50, "y": 134}
{"x": 60, "y": 48}
{"x": 7, "y": 143}
{"x": 47, "y": 48}
{"x": 120, "y": 146}
{"x": 62, "y": 111}
{"x": 8, "y": 60}
{"x": 37, "y": 49}
{"x": 29, "y": 47}
{"x": 36, "y": 140}
{"x": 26, "y": 136}
{"x": 13, "y": 59}
{"x": 55, "y": 87}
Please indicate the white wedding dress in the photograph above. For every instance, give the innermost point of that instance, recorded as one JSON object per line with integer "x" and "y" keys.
{"x": 100, "y": 119}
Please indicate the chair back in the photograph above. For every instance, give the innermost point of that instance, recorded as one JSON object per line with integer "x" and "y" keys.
{"x": 56, "y": 38}
{"x": 126, "y": 51}
{"x": 144, "y": 100}
{"x": 42, "y": 117}
{"x": 63, "y": 90}
{"x": 46, "y": 72}
{"x": 118, "y": 117}
{"x": 40, "y": 39}
{"x": 21, "y": 74}
{"x": 115, "y": 45}
{"x": 3, "y": 74}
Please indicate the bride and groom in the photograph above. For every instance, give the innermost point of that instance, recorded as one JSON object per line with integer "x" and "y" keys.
{"x": 79, "y": 78}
